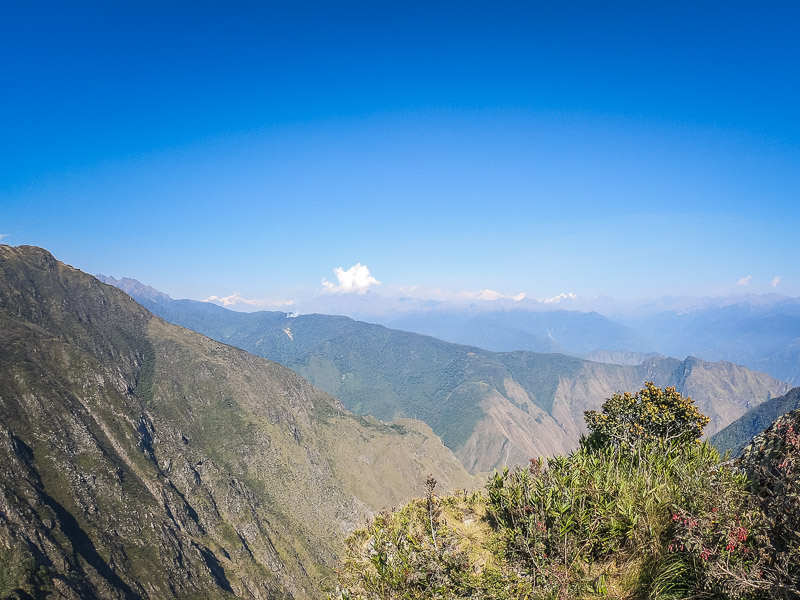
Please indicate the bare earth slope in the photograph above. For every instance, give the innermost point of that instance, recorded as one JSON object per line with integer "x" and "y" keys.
{"x": 142, "y": 460}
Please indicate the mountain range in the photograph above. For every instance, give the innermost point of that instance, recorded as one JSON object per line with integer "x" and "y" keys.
{"x": 761, "y": 332}
{"x": 491, "y": 408}
{"x": 762, "y": 335}
{"x": 141, "y": 459}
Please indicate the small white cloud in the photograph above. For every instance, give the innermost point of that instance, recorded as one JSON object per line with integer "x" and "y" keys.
{"x": 775, "y": 281}
{"x": 744, "y": 281}
{"x": 2, "y": 235}
{"x": 408, "y": 289}
{"x": 489, "y": 295}
{"x": 357, "y": 279}
{"x": 236, "y": 300}
{"x": 560, "y": 297}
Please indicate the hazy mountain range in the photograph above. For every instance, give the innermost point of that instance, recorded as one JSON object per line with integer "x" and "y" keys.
{"x": 490, "y": 408}
{"x": 761, "y": 332}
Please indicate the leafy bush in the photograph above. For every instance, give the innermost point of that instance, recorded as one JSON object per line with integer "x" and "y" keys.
{"x": 651, "y": 414}
{"x": 573, "y": 523}
{"x": 648, "y": 513}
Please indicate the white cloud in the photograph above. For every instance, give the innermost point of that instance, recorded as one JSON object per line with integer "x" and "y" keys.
{"x": 489, "y": 295}
{"x": 744, "y": 281}
{"x": 560, "y": 297}
{"x": 357, "y": 279}
{"x": 2, "y": 235}
{"x": 775, "y": 281}
{"x": 409, "y": 289}
{"x": 236, "y": 300}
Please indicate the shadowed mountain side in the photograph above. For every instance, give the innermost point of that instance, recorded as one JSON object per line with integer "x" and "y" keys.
{"x": 738, "y": 434}
{"x": 491, "y": 408}
{"x": 143, "y": 460}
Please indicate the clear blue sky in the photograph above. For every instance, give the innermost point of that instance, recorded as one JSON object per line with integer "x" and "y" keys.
{"x": 630, "y": 149}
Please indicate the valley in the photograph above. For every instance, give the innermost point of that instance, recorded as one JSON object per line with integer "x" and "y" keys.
{"x": 491, "y": 408}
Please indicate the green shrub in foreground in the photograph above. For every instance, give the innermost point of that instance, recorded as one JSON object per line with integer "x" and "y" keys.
{"x": 435, "y": 548}
{"x": 652, "y": 516}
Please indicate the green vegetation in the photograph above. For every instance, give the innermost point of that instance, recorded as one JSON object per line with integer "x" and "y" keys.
{"x": 21, "y": 576}
{"x": 652, "y": 414}
{"x": 142, "y": 460}
{"x": 658, "y": 516}
{"x": 739, "y": 433}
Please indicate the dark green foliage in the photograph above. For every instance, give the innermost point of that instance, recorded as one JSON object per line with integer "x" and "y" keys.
{"x": 739, "y": 433}
{"x": 650, "y": 415}
{"x": 21, "y": 576}
{"x": 655, "y": 518}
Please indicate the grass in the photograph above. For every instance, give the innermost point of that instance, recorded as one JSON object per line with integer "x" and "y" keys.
{"x": 637, "y": 524}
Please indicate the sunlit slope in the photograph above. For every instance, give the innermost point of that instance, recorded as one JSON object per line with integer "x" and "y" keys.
{"x": 738, "y": 434}
{"x": 141, "y": 459}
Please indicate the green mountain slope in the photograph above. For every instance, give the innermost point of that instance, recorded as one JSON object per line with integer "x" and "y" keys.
{"x": 143, "y": 460}
{"x": 491, "y": 409}
{"x": 738, "y": 434}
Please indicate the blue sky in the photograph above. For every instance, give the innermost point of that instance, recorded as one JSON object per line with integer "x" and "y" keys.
{"x": 629, "y": 149}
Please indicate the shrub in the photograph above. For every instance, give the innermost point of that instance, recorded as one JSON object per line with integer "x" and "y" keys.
{"x": 651, "y": 414}
{"x": 574, "y": 522}
{"x": 772, "y": 462}
{"x": 643, "y": 512}
{"x": 396, "y": 556}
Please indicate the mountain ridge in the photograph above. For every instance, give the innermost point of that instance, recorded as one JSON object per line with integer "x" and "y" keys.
{"x": 491, "y": 409}
{"x": 143, "y": 460}
{"x": 740, "y": 433}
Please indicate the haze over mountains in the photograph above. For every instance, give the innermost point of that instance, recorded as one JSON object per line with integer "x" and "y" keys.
{"x": 761, "y": 332}
{"x": 738, "y": 434}
{"x": 143, "y": 460}
{"x": 490, "y": 408}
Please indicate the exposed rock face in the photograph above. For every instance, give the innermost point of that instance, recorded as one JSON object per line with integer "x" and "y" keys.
{"x": 142, "y": 460}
